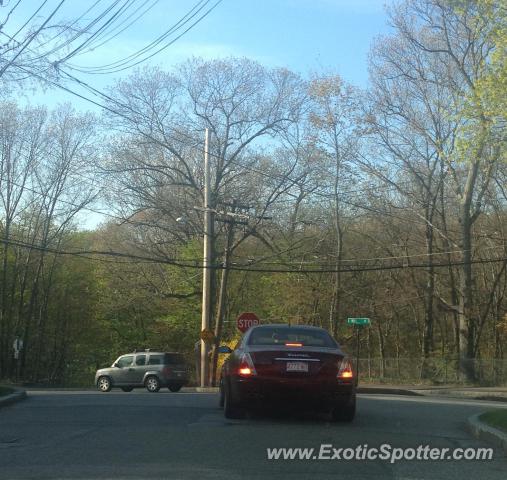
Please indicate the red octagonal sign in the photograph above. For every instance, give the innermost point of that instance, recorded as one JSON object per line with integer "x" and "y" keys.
{"x": 247, "y": 320}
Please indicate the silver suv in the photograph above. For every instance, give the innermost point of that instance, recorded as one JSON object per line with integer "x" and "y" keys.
{"x": 152, "y": 370}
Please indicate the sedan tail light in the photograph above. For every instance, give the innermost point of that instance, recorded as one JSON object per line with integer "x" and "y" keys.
{"x": 345, "y": 372}
{"x": 246, "y": 367}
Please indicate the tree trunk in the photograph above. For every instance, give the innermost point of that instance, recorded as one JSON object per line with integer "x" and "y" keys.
{"x": 465, "y": 317}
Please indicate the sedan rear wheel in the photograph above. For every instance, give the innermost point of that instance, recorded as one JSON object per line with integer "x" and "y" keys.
{"x": 104, "y": 384}
{"x": 222, "y": 395}
{"x": 152, "y": 384}
{"x": 231, "y": 408}
{"x": 344, "y": 412}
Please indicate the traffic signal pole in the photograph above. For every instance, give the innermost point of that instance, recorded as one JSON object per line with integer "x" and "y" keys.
{"x": 206, "y": 281}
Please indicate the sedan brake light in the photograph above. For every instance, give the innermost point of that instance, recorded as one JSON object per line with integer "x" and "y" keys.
{"x": 295, "y": 344}
{"x": 345, "y": 371}
{"x": 246, "y": 366}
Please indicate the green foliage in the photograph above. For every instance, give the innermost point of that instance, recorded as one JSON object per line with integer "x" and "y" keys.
{"x": 496, "y": 418}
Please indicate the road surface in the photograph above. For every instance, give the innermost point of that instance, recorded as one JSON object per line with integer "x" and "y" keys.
{"x": 87, "y": 434}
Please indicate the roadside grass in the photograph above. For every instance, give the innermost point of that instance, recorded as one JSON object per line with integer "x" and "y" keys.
{"x": 5, "y": 391}
{"x": 495, "y": 418}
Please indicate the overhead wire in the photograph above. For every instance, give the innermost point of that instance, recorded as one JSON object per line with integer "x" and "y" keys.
{"x": 110, "y": 21}
{"x": 128, "y": 62}
{"x": 194, "y": 264}
{"x": 29, "y": 19}
{"x": 30, "y": 39}
{"x": 327, "y": 195}
{"x": 317, "y": 192}
{"x": 85, "y": 29}
{"x": 115, "y": 33}
{"x": 70, "y": 26}
{"x": 9, "y": 13}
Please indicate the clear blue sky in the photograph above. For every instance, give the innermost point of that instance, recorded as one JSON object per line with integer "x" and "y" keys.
{"x": 303, "y": 35}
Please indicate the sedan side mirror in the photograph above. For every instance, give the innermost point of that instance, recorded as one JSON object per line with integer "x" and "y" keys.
{"x": 224, "y": 349}
{"x": 116, "y": 364}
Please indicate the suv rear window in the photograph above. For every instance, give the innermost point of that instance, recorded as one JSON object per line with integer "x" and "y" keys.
{"x": 174, "y": 359}
{"x": 283, "y": 335}
{"x": 155, "y": 359}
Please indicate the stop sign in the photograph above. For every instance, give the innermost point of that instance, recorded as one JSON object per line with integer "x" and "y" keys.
{"x": 247, "y": 320}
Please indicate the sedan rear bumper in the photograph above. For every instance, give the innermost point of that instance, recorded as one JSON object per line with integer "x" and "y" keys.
{"x": 256, "y": 391}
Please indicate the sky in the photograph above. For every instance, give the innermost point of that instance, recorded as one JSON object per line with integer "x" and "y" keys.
{"x": 302, "y": 35}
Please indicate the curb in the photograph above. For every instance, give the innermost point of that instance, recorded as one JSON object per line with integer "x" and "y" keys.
{"x": 388, "y": 391}
{"x": 464, "y": 394}
{"x": 484, "y": 432}
{"x": 207, "y": 389}
{"x": 17, "y": 396}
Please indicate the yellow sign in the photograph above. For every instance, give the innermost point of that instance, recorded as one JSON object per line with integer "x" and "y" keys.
{"x": 207, "y": 336}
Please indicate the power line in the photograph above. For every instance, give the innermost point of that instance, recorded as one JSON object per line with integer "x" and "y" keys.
{"x": 280, "y": 262}
{"x": 30, "y": 39}
{"x": 11, "y": 11}
{"x": 147, "y": 47}
{"x": 84, "y": 253}
{"x": 94, "y": 46}
{"x": 369, "y": 269}
{"x": 29, "y": 20}
{"x": 128, "y": 62}
{"x": 370, "y": 259}
{"x": 195, "y": 265}
{"x": 317, "y": 192}
{"x": 69, "y": 26}
{"x": 86, "y": 29}
{"x": 126, "y": 4}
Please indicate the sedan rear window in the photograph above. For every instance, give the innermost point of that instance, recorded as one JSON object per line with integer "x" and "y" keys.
{"x": 281, "y": 336}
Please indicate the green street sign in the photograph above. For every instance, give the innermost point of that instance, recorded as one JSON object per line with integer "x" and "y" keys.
{"x": 358, "y": 321}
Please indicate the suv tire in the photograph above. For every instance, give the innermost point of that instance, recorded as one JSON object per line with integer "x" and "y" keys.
{"x": 152, "y": 384}
{"x": 127, "y": 389}
{"x": 104, "y": 384}
{"x": 175, "y": 387}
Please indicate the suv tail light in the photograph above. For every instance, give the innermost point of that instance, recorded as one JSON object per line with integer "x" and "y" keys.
{"x": 246, "y": 367}
{"x": 166, "y": 371}
{"x": 345, "y": 372}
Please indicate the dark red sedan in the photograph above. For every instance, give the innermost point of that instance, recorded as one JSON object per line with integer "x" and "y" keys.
{"x": 288, "y": 365}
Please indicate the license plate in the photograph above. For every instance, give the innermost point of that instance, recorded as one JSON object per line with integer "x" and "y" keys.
{"x": 297, "y": 367}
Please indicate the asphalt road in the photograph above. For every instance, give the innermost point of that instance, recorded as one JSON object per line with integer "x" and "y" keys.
{"x": 184, "y": 435}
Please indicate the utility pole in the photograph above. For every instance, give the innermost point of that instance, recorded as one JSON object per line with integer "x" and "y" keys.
{"x": 206, "y": 280}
